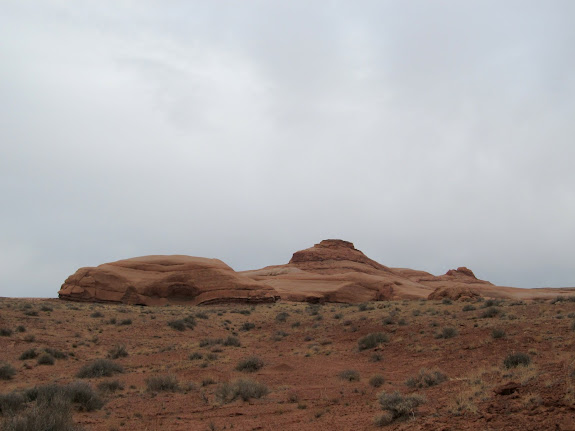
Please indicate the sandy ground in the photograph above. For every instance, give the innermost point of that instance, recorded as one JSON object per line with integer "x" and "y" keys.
{"x": 303, "y": 358}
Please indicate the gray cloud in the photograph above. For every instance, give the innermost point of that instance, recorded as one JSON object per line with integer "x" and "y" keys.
{"x": 432, "y": 135}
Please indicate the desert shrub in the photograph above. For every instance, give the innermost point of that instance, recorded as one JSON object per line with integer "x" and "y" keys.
{"x": 79, "y": 393}
{"x": 279, "y": 335}
{"x": 46, "y": 359}
{"x": 372, "y": 340}
{"x": 202, "y": 315}
{"x": 513, "y": 360}
{"x": 447, "y": 332}
{"x": 7, "y": 371}
{"x": 491, "y": 303}
{"x": 46, "y": 308}
{"x": 11, "y": 402}
{"x": 56, "y": 416}
{"x": 99, "y": 368}
{"x": 250, "y": 365}
{"x": 82, "y": 394}
{"x": 31, "y": 313}
{"x": 446, "y": 301}
{"x": 245, "y": 389}
{"x": 20, "y": 328}
{"x": 247, "y": 326}
{"x": 125, "y": 322}
{"x": 6, "y": 332}
{"x": 55, "y": 353}
{"x": 498, "y": 333}
{"x": 210, "y": 342}
{"x": 29, "y": 338}
{"x": 196, "y": 355}
{"x": 29, "y": 354}
{"x": 387, "y": 320}
{"x": 282, "y": 317}
{"x": 468, "y": 307}
{"x": 232, "y": 341}
{"x": 375, "y": 357}
{"x": 118, "y": 351}
{"x": 178, "y": 325}
{"x": 248, "y": 389}
{"x": 349, "y": 375}
{"x": 296, "y": 324}
{"x": 164, "y": 383}
{"x": 96, "y": 314}
{"x": 110, "y": 386}
{"x": 397, "y": 407}
{"x": 426, "y": 378}
{"x": 112, "y": 321}
{"x": 376, "y": 381}
{"x": 489, "y": 313}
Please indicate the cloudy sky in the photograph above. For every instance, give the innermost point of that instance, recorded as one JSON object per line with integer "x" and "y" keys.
{"x": 431, "y": 134}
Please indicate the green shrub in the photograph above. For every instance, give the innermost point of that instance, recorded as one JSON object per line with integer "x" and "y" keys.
{"x": 515, "y": 359}
{"x": 46, "y": 359}
{"x": 57, "y": 354}
{"x": 250, "y": 365}
{"x": 426, "y": 378}
{"x": 498, "y": 333}
{"x": 447, "y": 332}
{"x": 376, "y": 381}
{"x": 349, "y": 375}
{"x": 6, "y": 332}
{"x": 397, "y": 406}
{"x": 247, "y": 326}
{"x": 29, "y": 354}
{"x": 7, "y": 371}
{"x": 110, "y": 386}
{"x": 164, "y": 383}
{"x": 468, "y": 307}
{"x": 282, "y": 317}
{"x": 178, "y": 325}
{"x": 56, "y": 416}
{"x": 82, "y": 394}
{"x": 245, "y": 389}
{"x": 446, "y": 301}
{"x": 372, "y": 340}
{"x": 490, "y": 313}
{"x": 118, "y": 351}
{"x": 232, "y": 341}
{"x": 11, "y": 403}
{"x": 99, "y": 368}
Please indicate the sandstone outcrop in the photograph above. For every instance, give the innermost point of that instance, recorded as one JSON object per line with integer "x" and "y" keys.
{"x": 158, "y": 280}
{"x": 331, "y": 271}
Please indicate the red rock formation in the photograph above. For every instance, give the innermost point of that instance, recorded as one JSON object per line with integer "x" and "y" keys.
{"x": 157, "y": 280}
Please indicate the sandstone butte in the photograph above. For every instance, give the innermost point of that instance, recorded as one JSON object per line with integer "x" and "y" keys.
{"x": 331, "y": 271}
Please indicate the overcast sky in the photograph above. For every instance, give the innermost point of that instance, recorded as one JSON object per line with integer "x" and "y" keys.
{"x": 431, "y": 134}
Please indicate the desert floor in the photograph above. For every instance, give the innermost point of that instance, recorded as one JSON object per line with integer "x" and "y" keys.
{"x": 181, "y": 372}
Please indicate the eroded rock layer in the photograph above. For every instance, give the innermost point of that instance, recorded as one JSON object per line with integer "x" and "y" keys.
{"x": 158, "y": 280}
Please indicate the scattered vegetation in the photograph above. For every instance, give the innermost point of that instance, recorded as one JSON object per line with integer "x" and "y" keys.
{"x": 118, "y": 351}
{"x": 250, "y": 365}
{"x": 183, "y": 324}
{"x": 100, "y": 368}
{"x": 372, "y": 340}
{"x": 376, "y": 381}
{"x": 426, "y": 378}
{"x": 490, "y": 313}
{"x": 349, "y": 375}
{"x": 7, "y": 371}
{"x": 397, "y": 407}
{"x": 447, "y": 332}
{"x": 514, "y": 360}
{"x": 245, "y": 389}
{"x": 163, "y": 383}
